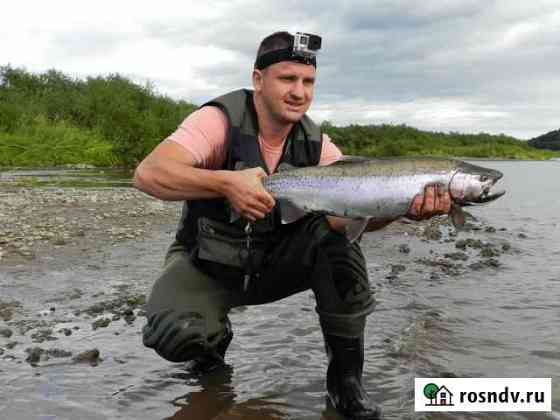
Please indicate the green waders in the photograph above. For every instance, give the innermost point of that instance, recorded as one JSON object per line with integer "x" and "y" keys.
{"x": 188, "y": 306}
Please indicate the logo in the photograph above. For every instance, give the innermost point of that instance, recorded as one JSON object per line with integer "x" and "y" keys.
{"x": 439, "y": 396}
{"x": 483, "y": 394}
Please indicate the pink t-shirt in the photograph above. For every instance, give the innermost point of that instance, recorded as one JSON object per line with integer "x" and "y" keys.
{"x": 204, "y": 134}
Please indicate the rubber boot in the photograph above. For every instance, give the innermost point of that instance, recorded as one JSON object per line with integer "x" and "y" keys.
{"x": 344, "y": 378}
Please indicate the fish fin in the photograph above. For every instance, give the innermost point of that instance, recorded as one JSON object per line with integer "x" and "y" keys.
{"x": 283, "y": 167}
{"x": 290, "y": 212}
{"x": 355, "y": 228}
{"x": 457, "y": 216}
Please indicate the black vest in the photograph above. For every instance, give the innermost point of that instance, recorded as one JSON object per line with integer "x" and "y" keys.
{"x": 302, "y": 148}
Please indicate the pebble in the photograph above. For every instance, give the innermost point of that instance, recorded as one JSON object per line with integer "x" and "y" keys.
{"x": 5, "y": 332}
{"x": 397, "y": 268}
{"x": 432, "y": 232}
{"x": 11, "y": 344}
{"x": 58, "y": 353}
{"x": 34, "y": 355}
{"x": 30, "y": 224}
{"x": 490, "y": 262}
{"x": 43, "y": 335}
{"x": 404, "y": 248}
{"x": 461, "y": 256}
{"x": 489, "y": 253}
{"x": 88, "y": 356}
{"x": 472, "y": 243}
{"x": 100, "y": 323}
{"x": 65, "y": 331}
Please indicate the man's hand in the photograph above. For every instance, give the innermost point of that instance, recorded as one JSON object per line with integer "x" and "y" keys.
{"x": 245, "y": 192}
{"x": 435, "y": 201}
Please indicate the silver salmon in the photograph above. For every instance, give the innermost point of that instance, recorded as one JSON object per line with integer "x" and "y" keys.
{"x": 364, "y": 189}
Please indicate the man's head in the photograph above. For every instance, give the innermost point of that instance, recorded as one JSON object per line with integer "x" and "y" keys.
{"x": 284, "y": 81}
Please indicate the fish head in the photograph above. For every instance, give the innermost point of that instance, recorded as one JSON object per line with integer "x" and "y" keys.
{"x": 472, "y": 184}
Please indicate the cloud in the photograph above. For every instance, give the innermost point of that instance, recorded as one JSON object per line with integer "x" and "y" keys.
{"x": 463, "y": 65}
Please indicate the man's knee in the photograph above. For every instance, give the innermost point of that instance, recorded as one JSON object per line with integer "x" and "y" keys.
{"x": 176, "y": 336}
{"x": 348, "y": 272}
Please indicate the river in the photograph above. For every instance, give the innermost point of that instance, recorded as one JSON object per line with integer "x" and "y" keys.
{"x": 470, "y": 321}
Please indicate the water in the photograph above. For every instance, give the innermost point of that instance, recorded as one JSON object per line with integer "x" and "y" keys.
{"x": 492, "y": 322}
{"x": 92, "y": 177}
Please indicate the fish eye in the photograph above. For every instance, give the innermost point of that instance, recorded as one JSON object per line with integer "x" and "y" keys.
{"x": 483, "y": 178}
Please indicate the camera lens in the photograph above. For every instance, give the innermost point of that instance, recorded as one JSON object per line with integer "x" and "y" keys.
{"x": 314, "y": 42}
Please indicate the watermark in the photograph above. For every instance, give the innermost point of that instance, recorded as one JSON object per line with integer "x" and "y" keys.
{"x": 483, "y": 394}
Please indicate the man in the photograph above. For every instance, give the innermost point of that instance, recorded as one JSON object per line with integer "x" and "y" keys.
{"x": 216, "y": 161}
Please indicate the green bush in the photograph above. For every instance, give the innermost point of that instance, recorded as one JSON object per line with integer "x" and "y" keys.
{"x": 45, "y": 143}
{"x": 53, "y": 119}
{"x": 132, "y": 119}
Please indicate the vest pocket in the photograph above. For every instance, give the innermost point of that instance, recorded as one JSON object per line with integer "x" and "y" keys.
{"x": 227, "y": 244}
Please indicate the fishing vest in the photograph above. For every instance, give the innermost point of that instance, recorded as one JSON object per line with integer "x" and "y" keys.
{"x": 301, "y": 148}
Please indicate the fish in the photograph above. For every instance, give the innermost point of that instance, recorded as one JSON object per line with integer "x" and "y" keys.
{"x": 362, "y": 189}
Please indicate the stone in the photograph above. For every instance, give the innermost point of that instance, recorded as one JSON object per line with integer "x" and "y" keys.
{"x": 88, "y": 356}
{"x": 404, "y": 248}
{"x": 34, "y": 355}
{"x": 460, "y": 256}
{"x": 5, "y": 332}
{"x": 397, "y": 268}
{"x": 58, "y": 353}
{"x": 432, "y": 233}
{"x": 11, "y": 344}
{"x": 66, "y": 331}
{"x": 100, "y": 323}
{"x": 489, "y": 253}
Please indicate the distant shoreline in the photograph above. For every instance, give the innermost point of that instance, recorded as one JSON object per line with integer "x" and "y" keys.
{"x": 110, "y": 121}
{"x": 86, "y": 167}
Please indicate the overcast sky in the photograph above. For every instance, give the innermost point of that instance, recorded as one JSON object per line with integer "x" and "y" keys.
{"x": 444, "y": 65}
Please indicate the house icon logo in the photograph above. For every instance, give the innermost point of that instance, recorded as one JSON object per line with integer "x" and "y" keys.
{"x": 439, "y": 396}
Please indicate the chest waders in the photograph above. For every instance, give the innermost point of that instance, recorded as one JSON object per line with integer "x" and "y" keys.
{"x": 205, "y": 272}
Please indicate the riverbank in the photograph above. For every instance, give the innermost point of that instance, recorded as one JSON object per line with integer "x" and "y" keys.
{"x": 76, "y": 267}
{"x": 35, "y": 222}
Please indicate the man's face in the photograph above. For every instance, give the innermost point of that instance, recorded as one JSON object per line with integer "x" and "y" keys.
{"x": 286, "y": 89}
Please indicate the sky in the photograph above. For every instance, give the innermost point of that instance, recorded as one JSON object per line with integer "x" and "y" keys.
{"x": 464, "y": 66}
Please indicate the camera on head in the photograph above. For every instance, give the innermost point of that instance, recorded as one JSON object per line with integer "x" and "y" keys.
{"x": 306, "y": 44}
{"x": 303, "y": 50}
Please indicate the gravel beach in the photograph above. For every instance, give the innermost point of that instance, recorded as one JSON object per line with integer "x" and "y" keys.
{"x": 35, "y": 222}
{"x": 76, "y": 265}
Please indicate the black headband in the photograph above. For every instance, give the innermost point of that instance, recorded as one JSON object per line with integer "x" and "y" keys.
{"x": 286, "y": 54}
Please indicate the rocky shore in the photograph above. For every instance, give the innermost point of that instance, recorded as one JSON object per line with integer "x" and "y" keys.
{"x": 71, "y": 225}
{"x": 39, "y": 221}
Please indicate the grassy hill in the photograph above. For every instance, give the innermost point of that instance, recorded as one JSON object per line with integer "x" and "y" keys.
{"x": 51, "y": 119}
{"x": 548, "y": 141}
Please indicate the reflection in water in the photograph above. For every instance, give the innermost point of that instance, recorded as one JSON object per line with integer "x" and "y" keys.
{"x": 216, "y": 401}
{"x": 98, "y": 177}
{"x": 216, "y": 396}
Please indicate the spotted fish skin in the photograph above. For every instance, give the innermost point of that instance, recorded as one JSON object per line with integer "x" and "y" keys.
{"x": 377, "y": 188}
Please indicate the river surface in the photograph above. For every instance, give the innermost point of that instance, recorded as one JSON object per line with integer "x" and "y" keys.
{"x": 486, "y": 322}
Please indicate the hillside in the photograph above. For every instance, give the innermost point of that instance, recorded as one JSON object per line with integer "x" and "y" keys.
{"x": 548, "y": 141}
{"x": 51, "y": 119}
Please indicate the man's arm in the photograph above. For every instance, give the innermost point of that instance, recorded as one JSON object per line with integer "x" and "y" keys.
{"x": 169, "y": 173}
